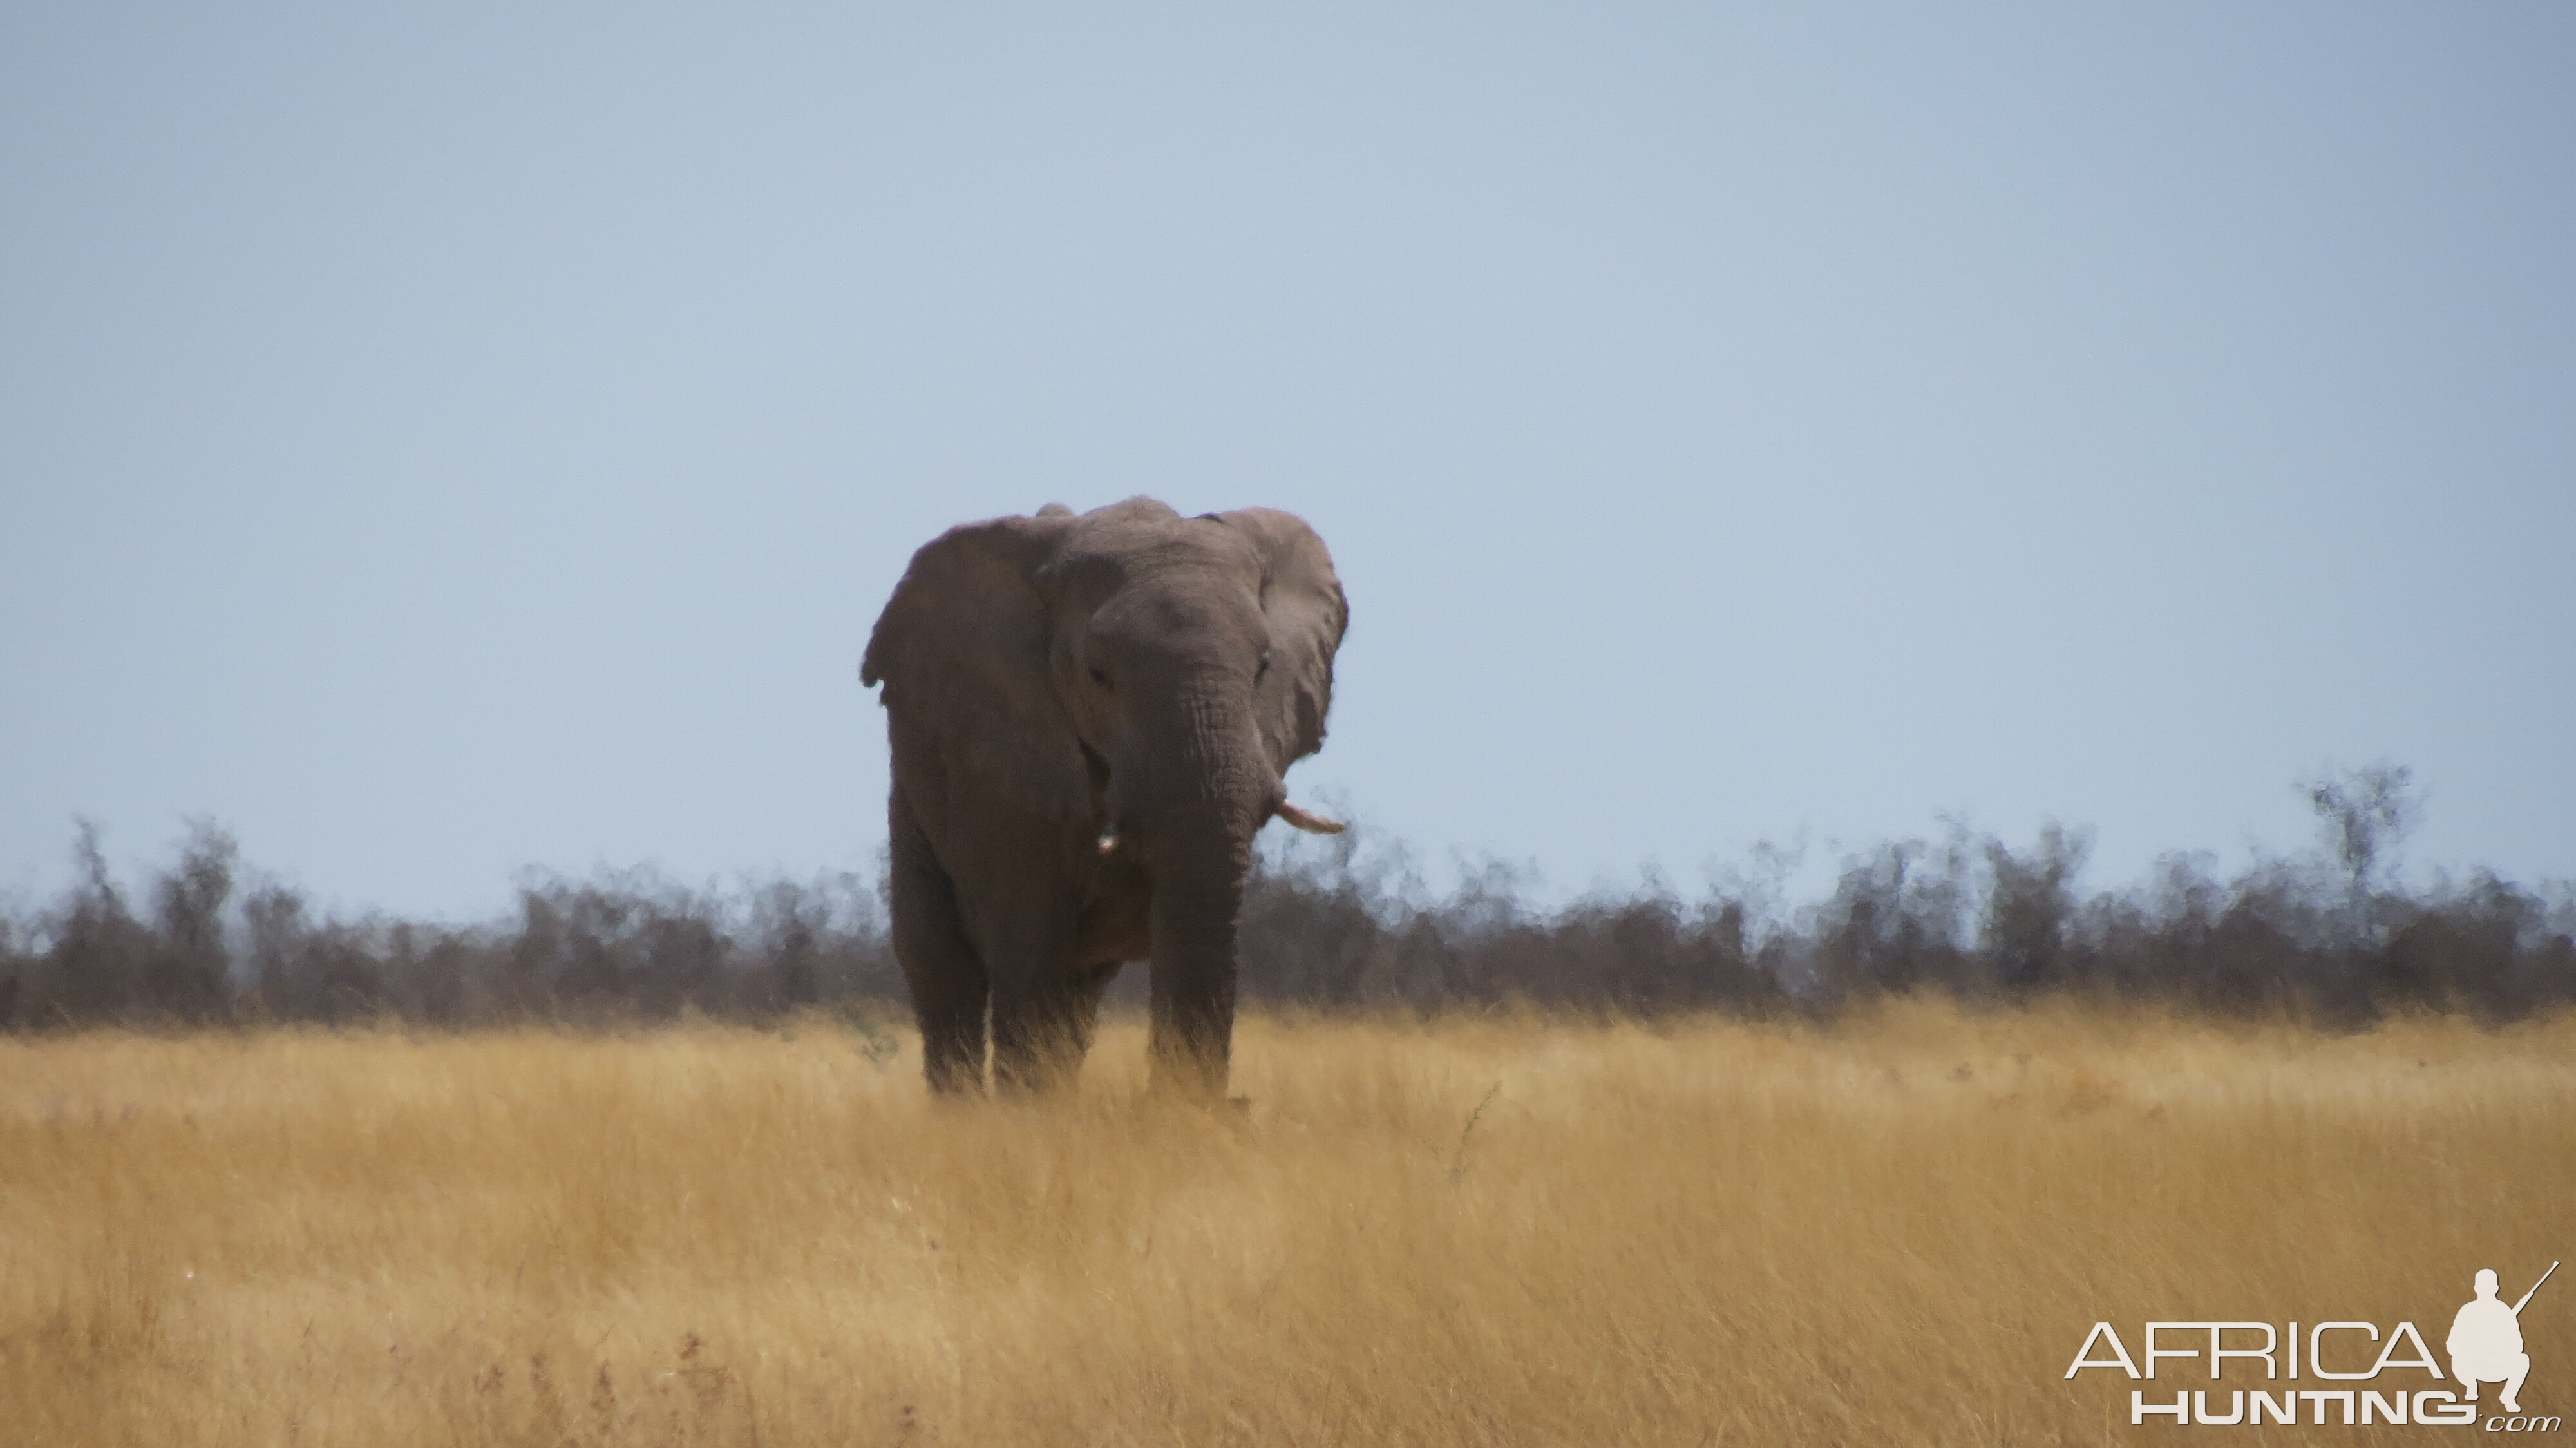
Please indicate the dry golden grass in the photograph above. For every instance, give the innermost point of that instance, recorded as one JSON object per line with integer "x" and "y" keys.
{"x": 1897, "y": 1230}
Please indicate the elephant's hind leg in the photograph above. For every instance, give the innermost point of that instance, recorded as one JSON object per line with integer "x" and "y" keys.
{"x": 940, "y": 965}
{"x": 1042, "y": 1030}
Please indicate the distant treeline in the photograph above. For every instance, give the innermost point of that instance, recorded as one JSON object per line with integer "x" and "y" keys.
{"x": 2327, "y": 937}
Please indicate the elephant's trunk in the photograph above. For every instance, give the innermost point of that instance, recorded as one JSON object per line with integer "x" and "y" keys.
{"x": 1199, "y": 874}
{"x": 1198, "y": 817}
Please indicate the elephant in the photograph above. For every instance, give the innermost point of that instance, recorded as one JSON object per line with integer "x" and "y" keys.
{"x": 1090, "y": 717}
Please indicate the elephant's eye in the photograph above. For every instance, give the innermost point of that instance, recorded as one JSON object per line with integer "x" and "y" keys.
{"x": 1261, "y": 670}
{"x": 1100, "y": 677}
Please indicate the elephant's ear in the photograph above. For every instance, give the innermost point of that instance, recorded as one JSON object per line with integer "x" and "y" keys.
{"x": 1301, "y": 598}
{"x": 962, "y": 651}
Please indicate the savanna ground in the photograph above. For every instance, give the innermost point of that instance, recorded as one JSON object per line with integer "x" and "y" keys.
{"x": 1895, "y": 1229}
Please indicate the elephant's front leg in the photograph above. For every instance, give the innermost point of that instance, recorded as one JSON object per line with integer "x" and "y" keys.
{"x": 939, "y": 960}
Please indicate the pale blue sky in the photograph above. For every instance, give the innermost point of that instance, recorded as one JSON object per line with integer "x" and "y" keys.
{"x": 444, "y": 442}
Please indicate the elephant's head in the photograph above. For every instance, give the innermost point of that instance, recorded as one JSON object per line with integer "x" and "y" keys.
{"x": 1138, "y": 682}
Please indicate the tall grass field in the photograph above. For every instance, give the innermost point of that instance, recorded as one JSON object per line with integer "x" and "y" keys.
{"x": 1897, "y": 1228}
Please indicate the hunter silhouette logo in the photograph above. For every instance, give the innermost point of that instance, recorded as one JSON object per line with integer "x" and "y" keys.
{"x": 2485, "y": 1346}
{"x": 2486, "y": 1341}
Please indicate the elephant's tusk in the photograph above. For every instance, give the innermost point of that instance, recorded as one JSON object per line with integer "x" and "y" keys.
{"x": 1310, "y": 822}
{"x": 1108, "y": 839}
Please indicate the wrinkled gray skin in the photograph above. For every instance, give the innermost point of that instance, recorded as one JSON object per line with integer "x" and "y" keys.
{"x": 1090, "y": 717}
